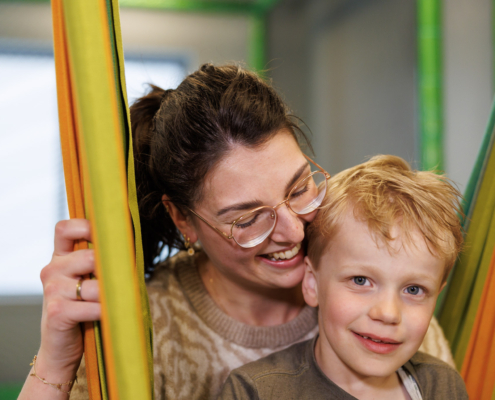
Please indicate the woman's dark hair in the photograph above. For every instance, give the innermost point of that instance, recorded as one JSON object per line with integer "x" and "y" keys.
{"x": 180, "y": 134}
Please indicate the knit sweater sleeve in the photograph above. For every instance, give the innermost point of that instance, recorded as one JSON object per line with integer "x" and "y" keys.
{"x": 80, "y": 388}
{"x": 435, "y": 344}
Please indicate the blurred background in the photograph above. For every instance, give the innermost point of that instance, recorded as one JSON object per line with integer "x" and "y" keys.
{"x": 410, "y": 78}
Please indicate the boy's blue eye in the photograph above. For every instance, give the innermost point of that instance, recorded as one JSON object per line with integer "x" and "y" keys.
{"x": 359, "y": 280}
{"x": 414, "y": 290}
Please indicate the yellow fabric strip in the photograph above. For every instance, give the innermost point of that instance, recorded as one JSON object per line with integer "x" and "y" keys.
{"x": 72, "y": 171}
{"x": 104, "y": 167}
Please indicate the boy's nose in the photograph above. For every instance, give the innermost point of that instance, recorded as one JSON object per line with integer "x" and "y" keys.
{"x": 386, "y": 309}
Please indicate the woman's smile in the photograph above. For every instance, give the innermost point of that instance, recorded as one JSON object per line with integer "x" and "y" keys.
{"x": 284, "y": 259}
{"x": 284, "y": 254}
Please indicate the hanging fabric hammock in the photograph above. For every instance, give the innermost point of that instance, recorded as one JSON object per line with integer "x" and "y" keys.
{"x": 468, "y": 312}
{"x": 99, "y": 174}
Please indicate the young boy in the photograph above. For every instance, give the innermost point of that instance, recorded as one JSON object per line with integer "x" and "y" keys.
{"x": 379, "y": 253}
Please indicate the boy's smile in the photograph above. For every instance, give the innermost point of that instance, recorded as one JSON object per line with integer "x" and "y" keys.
{"x": 377, "y": 344}
{"x": 375, "y": 302}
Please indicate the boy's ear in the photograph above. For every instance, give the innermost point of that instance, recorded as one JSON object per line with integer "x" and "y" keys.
{"x": 181, "y": 221}
{"x": 310, "y": 284}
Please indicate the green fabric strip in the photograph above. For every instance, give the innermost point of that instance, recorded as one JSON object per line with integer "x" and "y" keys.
{"x": 466, "y": 284}
{"x": 477, "y": 174}
{"x": 101, "y": 128}
{"x": 101, "y": 361}
{"x": 471, "y": 194}
{"x": 118, "y": 64}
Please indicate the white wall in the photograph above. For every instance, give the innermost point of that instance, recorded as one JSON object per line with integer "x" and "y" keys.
{"x": 199, "y": 38}
{"x": 365, "y": 105}
{"x": 468, "y": 54}
{"x": 357, "y": 63}
{"x": 348, "y": 68}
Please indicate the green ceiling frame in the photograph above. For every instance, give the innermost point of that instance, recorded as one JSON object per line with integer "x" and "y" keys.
{"x": 256, "y": 10}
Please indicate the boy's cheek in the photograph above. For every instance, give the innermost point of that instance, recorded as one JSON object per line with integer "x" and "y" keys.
{"x": 342, "y": 306}
{"x": 417, "y": 323}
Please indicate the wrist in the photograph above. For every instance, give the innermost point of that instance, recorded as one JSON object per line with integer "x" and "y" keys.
{"x": 63, "y": 387}
{"x": 56, "y": 370}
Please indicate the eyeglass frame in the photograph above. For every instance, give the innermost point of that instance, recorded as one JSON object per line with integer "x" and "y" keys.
{"x": 274, "y": 208}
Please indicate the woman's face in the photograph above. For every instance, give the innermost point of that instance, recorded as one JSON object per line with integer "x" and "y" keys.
{"x": 247, "y": 178}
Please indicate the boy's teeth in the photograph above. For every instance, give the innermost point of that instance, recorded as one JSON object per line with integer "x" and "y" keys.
{"x": 374, "y": 340}
{"x": 286, "y": 255}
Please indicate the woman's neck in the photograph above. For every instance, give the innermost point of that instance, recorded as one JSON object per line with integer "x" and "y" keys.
{"x": 251, "y": 305}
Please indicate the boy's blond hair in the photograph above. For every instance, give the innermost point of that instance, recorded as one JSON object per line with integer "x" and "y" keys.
{"x": 385, "y": 192}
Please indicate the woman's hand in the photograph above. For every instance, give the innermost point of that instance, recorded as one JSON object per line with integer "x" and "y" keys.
{"x": 61, "y": 339}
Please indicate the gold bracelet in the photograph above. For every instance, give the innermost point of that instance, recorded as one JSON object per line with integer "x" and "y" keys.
{"x": 57, "y": 386}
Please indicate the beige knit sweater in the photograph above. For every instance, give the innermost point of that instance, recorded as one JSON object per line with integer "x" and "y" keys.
{"x": 196, "y": 345}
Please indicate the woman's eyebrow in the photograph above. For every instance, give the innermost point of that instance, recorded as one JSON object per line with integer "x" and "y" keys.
{"x": 296, "y": 176}
{"x": 248, "y": 205}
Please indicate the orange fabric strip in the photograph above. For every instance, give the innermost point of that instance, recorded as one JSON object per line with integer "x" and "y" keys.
{"x": 478, "y": 369}
{"x": 72, "y": 173}
{"x": 489, "y": 382}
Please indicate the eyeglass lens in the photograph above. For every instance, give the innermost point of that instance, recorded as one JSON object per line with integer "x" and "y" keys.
{"x": 253, "y": 228}
{"x": 308, "y": 194}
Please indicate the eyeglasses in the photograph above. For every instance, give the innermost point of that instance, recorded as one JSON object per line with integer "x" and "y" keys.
{"x": 253, "y": 227}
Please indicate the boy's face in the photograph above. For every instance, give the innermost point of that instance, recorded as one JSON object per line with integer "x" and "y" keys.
{"x": 375, "y": 306}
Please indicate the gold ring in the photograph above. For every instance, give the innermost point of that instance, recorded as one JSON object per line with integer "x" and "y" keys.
{"x": 78, "y": 289}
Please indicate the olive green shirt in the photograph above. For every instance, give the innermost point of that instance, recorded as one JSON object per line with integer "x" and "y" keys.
{"x": 294, "y": 374}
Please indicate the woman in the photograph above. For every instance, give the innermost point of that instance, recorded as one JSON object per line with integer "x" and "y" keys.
{"x": 218, "y": 163}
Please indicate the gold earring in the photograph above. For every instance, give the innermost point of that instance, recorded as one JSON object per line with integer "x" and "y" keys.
{"x": 189, "y": 246}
